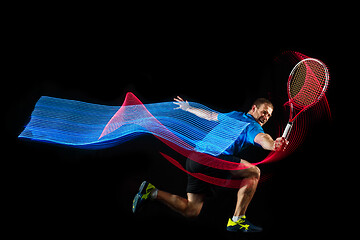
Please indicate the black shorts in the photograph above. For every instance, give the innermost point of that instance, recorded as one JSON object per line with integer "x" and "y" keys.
{"x": 196, "y": 185}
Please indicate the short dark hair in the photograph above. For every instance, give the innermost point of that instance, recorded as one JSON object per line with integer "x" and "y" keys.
{"x": 261, "y": 101}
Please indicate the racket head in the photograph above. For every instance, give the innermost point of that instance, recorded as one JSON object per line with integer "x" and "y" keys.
{"x": 307, "y": 83}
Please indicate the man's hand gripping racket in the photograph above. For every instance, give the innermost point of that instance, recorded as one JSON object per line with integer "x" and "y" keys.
{"x": 307, "y": 84}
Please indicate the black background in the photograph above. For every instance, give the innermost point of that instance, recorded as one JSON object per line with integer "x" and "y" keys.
{"x": 60, "y": 191}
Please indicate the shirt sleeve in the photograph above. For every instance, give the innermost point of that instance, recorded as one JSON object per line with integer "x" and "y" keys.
{"x": 253, "y": 130}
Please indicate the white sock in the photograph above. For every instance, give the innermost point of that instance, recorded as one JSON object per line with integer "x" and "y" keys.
{"x": 153, "y": 194}
{"x": 237, "y": 218}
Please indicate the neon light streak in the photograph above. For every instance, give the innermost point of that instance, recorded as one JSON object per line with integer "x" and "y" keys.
{"x": 86, "y": 125}
{"x": 93, "y": 126}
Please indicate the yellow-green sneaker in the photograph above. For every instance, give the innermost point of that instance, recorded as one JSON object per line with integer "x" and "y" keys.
{"x": 242, "y": 225}
{"x": 142, "y": 196}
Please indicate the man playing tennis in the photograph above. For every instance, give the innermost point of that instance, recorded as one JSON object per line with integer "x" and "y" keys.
{"x": 253, "y": 134}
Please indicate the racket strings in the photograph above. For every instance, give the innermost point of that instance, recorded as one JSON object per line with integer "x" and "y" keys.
{"x": 308, "y": 83}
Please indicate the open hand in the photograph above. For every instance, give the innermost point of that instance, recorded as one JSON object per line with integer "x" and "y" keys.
{"x": 183, "y": 105}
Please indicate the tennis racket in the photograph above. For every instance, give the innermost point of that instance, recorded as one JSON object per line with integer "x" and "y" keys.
{"x": 307, "y": 84}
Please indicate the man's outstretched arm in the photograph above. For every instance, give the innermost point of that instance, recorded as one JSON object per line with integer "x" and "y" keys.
{"x": 184, "y": 105}
{"x": 267, "y": 143}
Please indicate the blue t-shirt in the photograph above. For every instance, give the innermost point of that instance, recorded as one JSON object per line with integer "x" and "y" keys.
{"x": 247, "y": 136}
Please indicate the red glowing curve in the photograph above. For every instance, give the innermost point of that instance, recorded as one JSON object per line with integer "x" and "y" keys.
{"x": 296, "y": 137}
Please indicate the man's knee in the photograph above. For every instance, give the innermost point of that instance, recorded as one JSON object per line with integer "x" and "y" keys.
{"x": 257, "y": 172}
{"x": 254, "y": 172}
{"x": 193, "y": 210}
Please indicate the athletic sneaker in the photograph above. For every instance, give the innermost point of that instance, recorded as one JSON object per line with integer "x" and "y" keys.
{"x": 142, "y": 196}
{"x": 242, "y": 225}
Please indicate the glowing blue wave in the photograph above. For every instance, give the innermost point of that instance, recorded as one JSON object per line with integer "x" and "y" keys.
{"x": 83, "y": 125}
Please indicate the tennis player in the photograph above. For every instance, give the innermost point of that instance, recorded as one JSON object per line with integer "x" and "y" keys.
{"x": 253, "y": 134}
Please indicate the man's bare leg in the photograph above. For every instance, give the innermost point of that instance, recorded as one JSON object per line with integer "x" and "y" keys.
{"x": 244, "y": 196}
{"x": 189, "y": 207}
{"x": 192, "y": 206}
{"x": 251, "y": 176}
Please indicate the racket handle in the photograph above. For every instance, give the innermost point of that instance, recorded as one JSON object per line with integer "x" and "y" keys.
{"x": 287, "y": 130}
